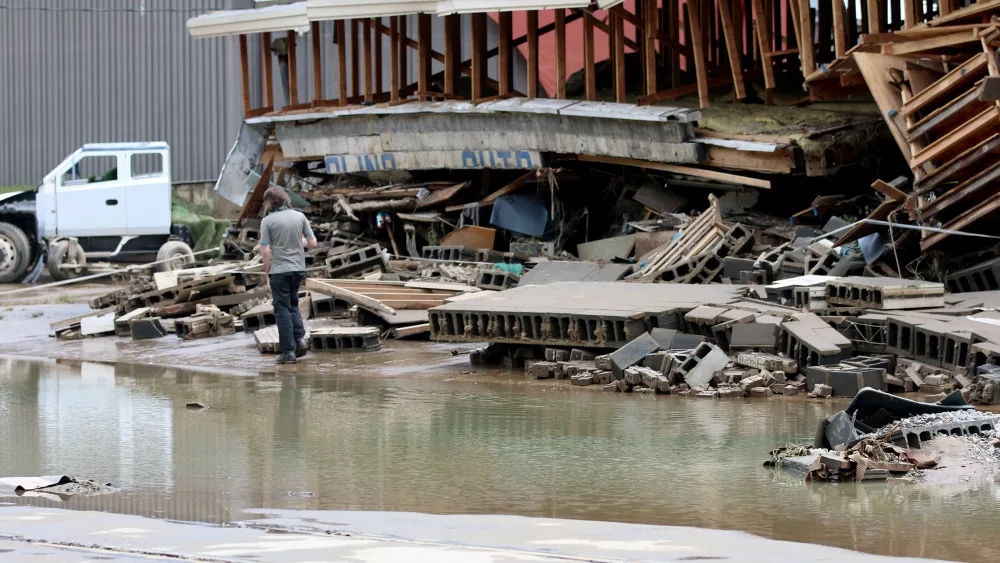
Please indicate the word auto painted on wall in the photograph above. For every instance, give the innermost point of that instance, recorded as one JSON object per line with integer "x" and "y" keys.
{"x": 427, "y": 160}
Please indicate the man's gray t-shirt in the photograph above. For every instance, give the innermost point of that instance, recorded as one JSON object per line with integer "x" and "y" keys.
{"x": 283, "y": 231}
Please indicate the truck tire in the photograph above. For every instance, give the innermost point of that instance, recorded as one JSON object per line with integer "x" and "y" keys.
{"x": 15, "y": 252}
{"x": 177, "y": 255}
{"x": 66, "y": 252}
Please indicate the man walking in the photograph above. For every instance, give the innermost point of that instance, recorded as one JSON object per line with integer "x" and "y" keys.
{"x": 284, "y": 236}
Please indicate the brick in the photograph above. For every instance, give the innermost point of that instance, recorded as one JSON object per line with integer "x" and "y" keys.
{"x": 766, "y": 361}
{"x": 760, "y": 392}
{"x": 541, "y": 370}
{"x": 754, "y": 336}
{"x": 577, "y": 354}
{"x": 707, "y": 394}
{"x": 586, "y": 379}
{"x": 790, "y": 391}
{"x": 603, "y": 361}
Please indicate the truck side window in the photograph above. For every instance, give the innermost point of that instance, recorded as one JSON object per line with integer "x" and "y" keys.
{"x": 147, "y": 165}
{"x": 92, "y": 170}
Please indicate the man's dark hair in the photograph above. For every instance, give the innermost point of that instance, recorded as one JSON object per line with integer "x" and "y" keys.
{"x": 274, "y": 198}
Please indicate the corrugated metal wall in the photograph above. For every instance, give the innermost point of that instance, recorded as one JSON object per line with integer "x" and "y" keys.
{"x": 85, "y": 71}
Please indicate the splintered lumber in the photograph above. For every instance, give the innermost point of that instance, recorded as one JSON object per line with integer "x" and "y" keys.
{"x": 972, "y": 13}
{"x": 956, "y": 140}
{"x": 931, "y": 43}
{"x": 874, "y": 68}
{"x": 960, "y": 77}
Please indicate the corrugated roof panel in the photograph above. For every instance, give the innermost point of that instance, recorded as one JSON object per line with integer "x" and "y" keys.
{"x": 322, "y": 10}
{"x": 259, "y": 20}
{"x": 475, "y": 6}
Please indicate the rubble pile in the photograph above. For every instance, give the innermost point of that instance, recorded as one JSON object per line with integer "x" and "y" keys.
{"x": 879, "y": 435}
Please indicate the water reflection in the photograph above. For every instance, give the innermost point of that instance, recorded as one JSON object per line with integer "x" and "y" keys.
{"x": 446, "y": 447}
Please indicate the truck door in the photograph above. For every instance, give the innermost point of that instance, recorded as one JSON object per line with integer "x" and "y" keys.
{"x": 91, "y": 198}
{"x": 149, "y": 193}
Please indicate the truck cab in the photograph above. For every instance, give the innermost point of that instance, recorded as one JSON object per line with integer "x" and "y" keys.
{"x": 107, "y": 201}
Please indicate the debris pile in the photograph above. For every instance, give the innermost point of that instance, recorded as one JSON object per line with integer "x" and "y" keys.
{"x": 880, "y": 435}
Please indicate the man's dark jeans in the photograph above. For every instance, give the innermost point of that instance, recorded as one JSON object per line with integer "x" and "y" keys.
{"x": 285, "y": 298}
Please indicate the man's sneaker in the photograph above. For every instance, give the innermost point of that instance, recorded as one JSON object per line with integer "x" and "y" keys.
{"x": 302, "y": 349}
{"x": 287, "y": 358}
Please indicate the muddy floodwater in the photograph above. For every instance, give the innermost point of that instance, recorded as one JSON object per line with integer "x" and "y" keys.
{"x": 422, "y": 444}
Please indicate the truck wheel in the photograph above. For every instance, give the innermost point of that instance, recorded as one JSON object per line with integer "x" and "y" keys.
{"x": 15, "y": 252}
{"x": 66, "y": 253}
{"x": 177, "y": 255}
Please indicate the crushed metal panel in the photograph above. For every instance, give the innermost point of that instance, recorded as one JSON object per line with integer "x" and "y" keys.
{"x": 241, "y": 161}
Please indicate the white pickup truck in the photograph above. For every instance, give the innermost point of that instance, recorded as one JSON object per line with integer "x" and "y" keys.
{"x": 103, "y": 202}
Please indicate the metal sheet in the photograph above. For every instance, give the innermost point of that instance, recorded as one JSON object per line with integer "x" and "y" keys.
{"x": 242, "y": 158}
{"x": 237, "y": 22}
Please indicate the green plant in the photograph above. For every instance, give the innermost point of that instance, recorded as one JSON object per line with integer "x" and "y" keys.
{"x": 37, "y": 314}
{"x": 65, "y": 298}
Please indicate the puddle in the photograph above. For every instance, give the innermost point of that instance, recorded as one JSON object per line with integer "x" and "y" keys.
{"x": 427, "y": 445}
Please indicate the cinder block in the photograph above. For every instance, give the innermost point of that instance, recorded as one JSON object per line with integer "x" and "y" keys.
{"x": 754, "y": 336}
{"x": 701, "y": 366}
{"x": 577, "y": 354}
{"x": 146, "y": 328}
{"x": 632, "y": 353}
{"x": 845, "y": 380}
{"x": 733, "y": 267}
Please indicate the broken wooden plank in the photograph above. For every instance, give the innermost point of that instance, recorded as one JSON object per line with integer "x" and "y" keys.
{"x": 965, "y": 219}
{"x": 958, "y": 166}
{"x": 511, "y": 187}
{"x": 931, "y": 43}
{"x": 956, "y": 111}
{"x": 677, "y": 169}
{"x": 327, "y": 287}
{"x": 961, "y": 76}
{"x": 955, "y": 140}
{"x": 961, "y": 191}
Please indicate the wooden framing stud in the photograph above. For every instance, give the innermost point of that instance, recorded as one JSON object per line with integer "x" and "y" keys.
{"x": 452, "y": 52}
{"x": 839, "y": 36}
{"x": 729, "y": 34}
{"x": 404, "y": 42}
{"x": 366, "y": 53}
{"x": 340, "y": 29}
{"x": 377, "y": 27}
{"x": 317, "y": 76}
{"x": 560, "y": 54}
{"x": 293, "y": 70}
{"x": 588, "y": 56}
{"x": 265, "y": 55}
{"x": 505, "y": 63}
{"x": 762, "y": 28}
{"x": 618, "y": 54}
{"x": 651, "y": 19}
{"x": 355, "y": 60}
{"x": 394, "y": 59}
{"x": 424, "y": 53}
{"x": 532, "y": 79}
{"x": 478, "y": 68}
{"x": 245, "y": 75}
{"x": 693, "y": 18}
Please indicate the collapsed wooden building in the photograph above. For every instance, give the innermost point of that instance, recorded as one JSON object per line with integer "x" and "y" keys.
{"x": 744, "y": 96}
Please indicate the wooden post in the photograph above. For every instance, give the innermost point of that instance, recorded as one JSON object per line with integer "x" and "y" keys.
{"x": 762, "y": 27}
{"x": 293, "y": 71}
{"x": 403, "y": 46}
{"x": 451, "y": 54}
{"x": 734, "y": 55}
{"x": 618, "y": 53}
{"x": 423, "y": 53}
{"x": 532, "y": 54}
{"x": 377, "y": 27}
{"x": 944, "y": 7}
{"x": 674, "y": 32}
{"x": 393, "y": 59}
{"x": 561, "y": 54}
{"x": 355, "y": 60}
{"x": 265, "y": 55}
{"x": 340, "y": 29}
{"x": 649, "y": 37}
{"x": 803, "y": 18}
{"x": 909, "y": 14}
{"x": 588, "y": 56}
{"x": 245, "y": 74}
{"x": 317, "y": 64}
{"x": 478, "y": 55}
{"x": 366, "y": 53}
{"x": 697, "y": 50}
{"x": 839, "y": 37}
{"x": 504, "y": 63}
{"x": 875, "y": 17}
